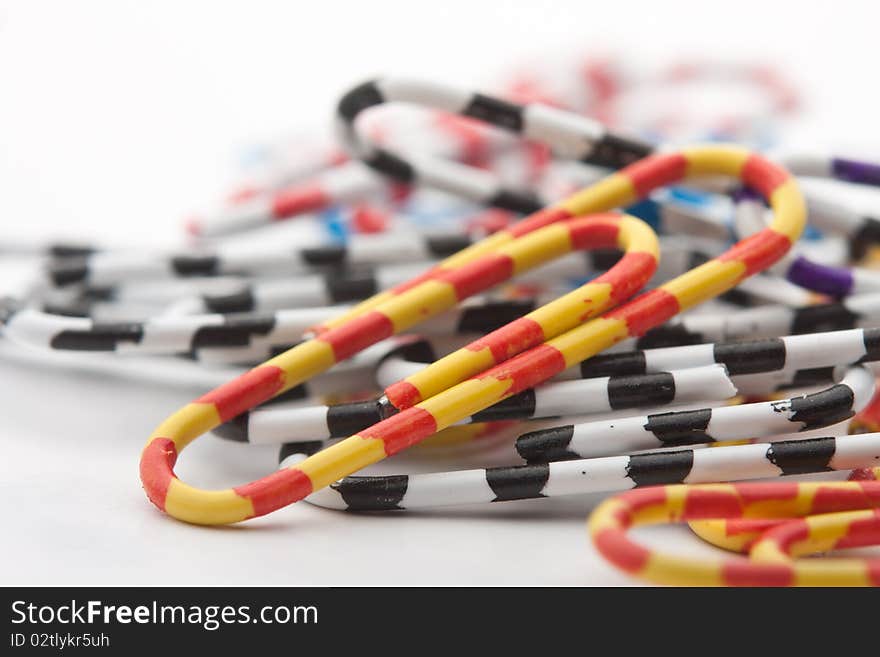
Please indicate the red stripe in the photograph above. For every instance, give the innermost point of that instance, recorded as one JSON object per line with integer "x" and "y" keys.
{"x": 538, "y": 220}
{"x": 366, "y": 219}
{"x": 629, "y": 275}
{"x": 642, "y": 498}
{"x": 758, "y": 251}
{"x": 244, "y": 392}
{"x": 789, "y": 531}
{"x": 863, "y": 474}
{"x": 594, "y": 232}
{"x": 157, "y": 469}
{"x": 476, "y": 276}
{"x": 828, "y": 499}
{"x": 737, "y": 526}
{"x": 296, "y": 200}
{"x": 402, "y": 430}
{"x": 357, "y": 334}
{"x": 762, "y": 175}
{"x": 528, "y": 369}
{"x": 276, "y": 490}
{"x": 702, "y": 503}
{"x": 510, "y": 339}
{"x": 862, "y": 533}
{"x": 622, "y": 552}
{"x": 742, "y": 572}
{"x": 655, "y": 171}
{"x": 647, "y": 311}
{"x": 403, "y": 394}
{"x": 781, "y": 491}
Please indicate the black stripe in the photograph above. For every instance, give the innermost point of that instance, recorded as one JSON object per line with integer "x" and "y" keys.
{"x": 641, "y": 390}
{"x": 802, "y": 456}
{"x": 419, "y": 351}
{"x": 193, "y": 265}
{"x": 546, "y": 445}
{"x": 324, "y": 255}
{"x": 823, "y": 317}
{"x": 520, "y": 482}
{"x": 632, "y": 362}
{"x": 70, "y": 251}
{"x": 751, "y": 357}
{"x": 515, "y": 407}
{"x": 296, "y": 393}
{"x": 672, "y": 335}
{"x": 347, "y": 419}
{"x": 617, "y": 152}
{"x": 75, "y": 308}
{"x": 68, "y": 272}
{"x": 681, "y": 427}
{"x": 812, "y": 376}
{"x": 277, "y": 350}
{"x": 107, "y": 293}
{"x": 498, "y": 112}
{"x": 493, "y": 315}
{"x": 737, "y": 297}
{"x": 391, "y": 165}
{"x": 372, "y": 493}
{"x": 235, "y": 332}
{"x": 660, "y": 467}
{"x": 235, "y": 429}
{"x": 351, "y": 286}
{"x": 354, "y": 102}
{"x": 871, "y": 340}
{"x": 823, "y": 408}
{"x": 867, "y": 235}
{"x": 308, "y": 448}
{"x": 445, "y": 245}
{"x": 605, "y": 259}
{"x": 519, "y": 202}
{"x": 237, "y": 302}
{"x": 101, "y": 337}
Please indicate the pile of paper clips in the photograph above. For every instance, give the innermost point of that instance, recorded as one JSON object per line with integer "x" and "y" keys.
{"x": 582, "y": 183}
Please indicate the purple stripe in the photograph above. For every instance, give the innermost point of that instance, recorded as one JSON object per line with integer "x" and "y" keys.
{"x": 746, "y": 193}
{"x": 834, "y": 281}
{"x": 855, "y": 171}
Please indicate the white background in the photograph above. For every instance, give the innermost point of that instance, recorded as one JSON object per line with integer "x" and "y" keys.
{"x": 116, "y": 118}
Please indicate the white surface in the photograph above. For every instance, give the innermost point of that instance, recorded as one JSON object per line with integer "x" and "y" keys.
{"x": 116, "y": 118}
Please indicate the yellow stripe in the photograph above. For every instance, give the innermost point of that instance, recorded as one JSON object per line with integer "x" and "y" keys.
{"x": 465, "y": 399}
{"x": 715, "y": 161}
{"x": 706, "y": 281}
{"x": 612, "y": 192}
{"x": 831, "y": 572}
{"x": 450, "y": 370}
{"x": 454, "y": 435}
{"x": 571, "y": 309}
{"x": 303, "y": 361}
{"x": 206, "y": 507}
{"x": 539, "y": 247}
{"x": 715, "y": 532}
{"x": 682, "y": 571}
{"x": 789, "y": 209}
{"x": 434, "y": 297}
{"x": 584, "y": 341}
{"x": 340, "y": 460}
{"x": 636, "y": 236}
{"x": 187, "y": 424}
